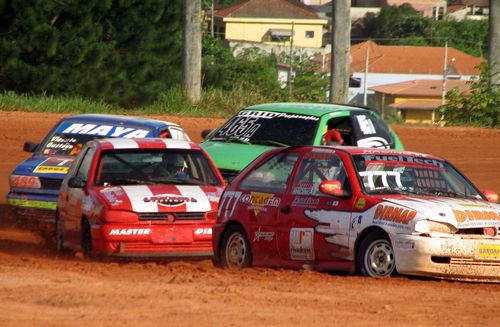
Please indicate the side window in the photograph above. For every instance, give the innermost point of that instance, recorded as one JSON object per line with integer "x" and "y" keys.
{"x": 318, "y": 167}
{"x": 83, "y": 169}
{"x": 372, "y": 132}
{"x": 272, "y": 176}
{"x": 339, "y": 131}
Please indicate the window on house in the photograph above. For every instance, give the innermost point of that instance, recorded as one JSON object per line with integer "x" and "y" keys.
{"x": 279, "y": 35}
{"x": 309, "y": 34}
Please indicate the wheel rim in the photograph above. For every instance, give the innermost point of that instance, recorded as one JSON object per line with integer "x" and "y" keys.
{"x": 236, "y": 251}
{"x": 379, "y": 259}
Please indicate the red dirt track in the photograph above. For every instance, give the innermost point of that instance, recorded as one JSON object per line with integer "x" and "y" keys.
{"x": 40, "y": 288}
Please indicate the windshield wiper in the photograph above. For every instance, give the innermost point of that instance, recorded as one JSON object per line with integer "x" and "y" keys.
{"x": 230, "y": 139}
{"x": 128, "y": 181}
{"x": 269, "y": 142}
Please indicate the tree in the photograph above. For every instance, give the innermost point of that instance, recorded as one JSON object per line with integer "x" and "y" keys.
{"x": 480, "y": 107}
{"x": 124, "y": 52}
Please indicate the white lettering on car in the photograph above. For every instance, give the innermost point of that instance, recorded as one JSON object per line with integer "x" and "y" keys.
{"x": 130, "y": 231}
{"x": 203, "y": 231}
{"x": 105, "y": 130}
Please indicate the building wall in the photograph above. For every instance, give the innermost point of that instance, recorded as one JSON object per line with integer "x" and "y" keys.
{"x": 417, "y": 116}
{"x": 257, "y": 30}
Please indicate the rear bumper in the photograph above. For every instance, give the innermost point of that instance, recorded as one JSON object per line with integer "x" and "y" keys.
{"x": 455, "y": 258}
{"x": 126, "y": 240}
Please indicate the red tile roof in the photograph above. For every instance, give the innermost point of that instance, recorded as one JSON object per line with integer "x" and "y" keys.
{"x": 431, "y": 88}
{"x": 400, "y": 59}
{"x": 269, "y": 9}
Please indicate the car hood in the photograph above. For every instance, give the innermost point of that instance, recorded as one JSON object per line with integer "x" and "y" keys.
{"x": 233, "y": 156}
{"x": 461, "y": 213}
{"x": 43, "y": 166}
{"x": 161, "y": 198}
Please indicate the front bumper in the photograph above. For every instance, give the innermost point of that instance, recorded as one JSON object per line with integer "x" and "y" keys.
{"x": 455, "y": 258}
{"x": 37, "y": 207}
{"x": 143, "y": 240}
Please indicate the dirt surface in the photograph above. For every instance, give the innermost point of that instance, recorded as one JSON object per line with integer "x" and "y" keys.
{"x": 39, "y": 288}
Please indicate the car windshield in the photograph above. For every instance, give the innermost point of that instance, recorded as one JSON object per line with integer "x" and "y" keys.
{"x": 407, "y": 174}
{"x": 268, "y": 128}
{"x": 68, "y": 138}
{"x": 152, "y": 166}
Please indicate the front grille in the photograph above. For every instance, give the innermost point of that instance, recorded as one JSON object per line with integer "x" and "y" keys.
{"x": 177, "y": 216}
{"x": 473, "y": 231}
{"x": 50, "y": 183}
{"x": 471, "y": 262}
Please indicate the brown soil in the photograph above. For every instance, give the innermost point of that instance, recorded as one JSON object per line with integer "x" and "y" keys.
{"x": 39, "y": 288}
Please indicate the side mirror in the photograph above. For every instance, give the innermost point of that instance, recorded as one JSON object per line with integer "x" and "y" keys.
{"x": 205, "y": 133}
{"x": 30, "y": 146}
{"x": 333, "y": 187}
{"x": 76, "y": 182}
{"x": 492, "y": 196}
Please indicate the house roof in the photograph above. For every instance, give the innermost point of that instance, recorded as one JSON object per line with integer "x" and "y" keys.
{"x": 430, "y": 88}
{"x": 402, "y": 59}
{"x": 416, "y": 104}
{"x": 269, "y": 9}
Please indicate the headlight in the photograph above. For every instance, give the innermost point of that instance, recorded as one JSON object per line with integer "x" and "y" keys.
{"x": 23, "y": 181}
{"x": 428, "y": 226}
{"x": 118, "y": 216}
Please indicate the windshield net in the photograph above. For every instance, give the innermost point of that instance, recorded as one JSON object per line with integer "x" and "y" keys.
{"x": 69, "y": 137}
{"x": 268, "y": 128}
{"x": 404, "y": 174}
{"x": 189, "y": 167}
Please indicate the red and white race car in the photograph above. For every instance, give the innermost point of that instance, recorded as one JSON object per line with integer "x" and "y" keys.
{"x": 374, "y": 211}
{"x": 139, "y": 197}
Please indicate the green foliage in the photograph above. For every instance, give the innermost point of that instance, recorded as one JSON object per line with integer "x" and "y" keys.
{"x": 309, "y": 84}
{"x": 480, "y": 107}
{"x": 123, "y": 52}
{"x": 402, "y": 25}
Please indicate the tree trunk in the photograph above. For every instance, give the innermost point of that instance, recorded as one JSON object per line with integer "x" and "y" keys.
{"x": 191, "y": 49}
{"x": 341, "y": 44}
{"x": 494, "y": 49}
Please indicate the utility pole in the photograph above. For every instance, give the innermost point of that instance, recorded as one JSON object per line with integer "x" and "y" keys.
{"x": 191, "y": 49}
{"x": 290, "y": 68}
{"x": 443, "y": 90}
{"x": 365, "y": 79}
{"x": 494, "y": 42}
{"x": 212, "y": 19}
{"x": 340, "y": 61}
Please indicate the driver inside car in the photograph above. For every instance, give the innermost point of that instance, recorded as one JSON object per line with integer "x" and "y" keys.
{"x": 172, "y": 166}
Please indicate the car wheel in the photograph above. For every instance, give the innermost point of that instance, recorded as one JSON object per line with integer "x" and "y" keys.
{"x": 235, "y": 249}
{"x": 59, "y": 237}
{"x": 86, "y": 239}
{"x": 375, "y": 256}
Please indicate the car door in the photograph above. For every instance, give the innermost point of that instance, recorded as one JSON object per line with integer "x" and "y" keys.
{"x": 261, "y": 196}
{"x": 314, "y": 226}
{"x": 75, "y": 196}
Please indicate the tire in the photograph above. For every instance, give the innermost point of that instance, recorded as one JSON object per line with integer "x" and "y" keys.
{"x": 59, "y": 236}
{"x": 86, "y": 239}
{"x": 375, "y": 256}
{"x": 235, "y": 249}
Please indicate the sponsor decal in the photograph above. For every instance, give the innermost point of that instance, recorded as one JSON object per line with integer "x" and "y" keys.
{"x": 169, "y": 200}
{"x": 111, "y": 194}
{"x": 271, "y": 115}
{"x": 408, "y": 159}
{"x": 259, "y": 199}
{"x": 304, "y": 201}
{"x": 476, "y": 217}
{"x": 266, "y": 236}
{"x": 228, "y": 203}
{"x": 61, "y": 143}
{"x": 389, "y": 214}
{"x": 356, "y": 221}
{"x": 130, "y": 231}
{"x": 404, "y": 244}
{"x": 318, "y": 155}
{"x": 373, "y": 142}
{"x": 104, "y": 130}
{"x": 333, "y": 224}
{"x": 332, "y": 203}
{"x": 360, "y": 204}
{"x": 303, "y": 188}
{"x": 203, "y": 231}
{"x": 53, "y": 166}
{"x": 366, "y": 125}
{"x": 301, "y": 244}
{"x": 488, "y": 251}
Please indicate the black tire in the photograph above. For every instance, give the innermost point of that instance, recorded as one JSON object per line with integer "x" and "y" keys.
{"x": 59, "y": 237}
{"x": 375, "y": 256}
{"x": 86, "y": 239}
{"x": 235, "y": 251}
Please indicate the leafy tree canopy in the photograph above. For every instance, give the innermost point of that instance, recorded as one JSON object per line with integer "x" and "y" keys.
{"x": 120, "y": 51}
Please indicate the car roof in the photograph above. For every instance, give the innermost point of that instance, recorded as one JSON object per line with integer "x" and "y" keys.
{"x": 143, "y": 143}
{"x": 375, "y": 151}
{"x": 313, "y": 109}
{"x": 120, "y": 120}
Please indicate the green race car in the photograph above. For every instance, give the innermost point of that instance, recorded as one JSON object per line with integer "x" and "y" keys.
{"x": 256, "y": 129}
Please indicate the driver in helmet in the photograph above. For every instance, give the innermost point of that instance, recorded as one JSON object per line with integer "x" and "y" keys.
{"x": 172, "y": 166}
